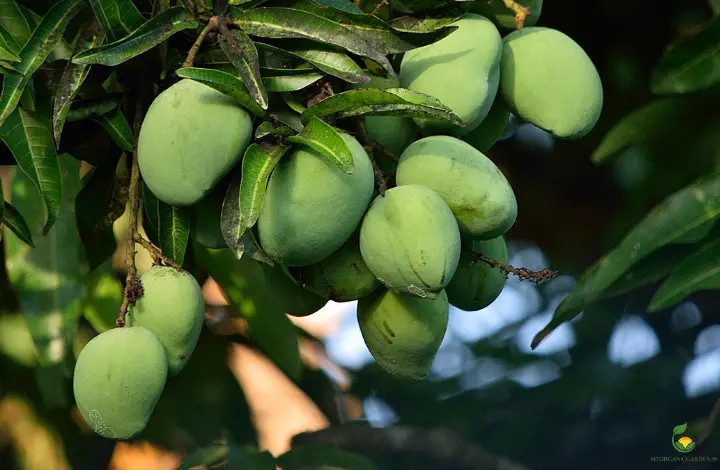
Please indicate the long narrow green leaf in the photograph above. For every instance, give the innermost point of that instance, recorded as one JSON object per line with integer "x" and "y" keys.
{"x": 290, "y": 82}
{"x": 141, "y": 40}
{"x": 29, "y": 138}
{"x": 90, "y": 110}
{"x": 322, "y": 456}
{"x": 242, "y": 53}
{"x": 118, "y": 17}
{"x": 13, "y": 220}
{"x": 43, "y": 40}
{"x": 324, "y": 58}
{"x": 118, "y": 127}
{"x": 206, "y": 456}
{"x": 323, "y": 138}
{"x": 174, "y": 231}
{"x": 7, "y": 55}
{"x": 14, "y": 23}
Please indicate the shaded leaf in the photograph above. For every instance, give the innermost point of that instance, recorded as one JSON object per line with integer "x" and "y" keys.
{"x": 266, "y": 128}
{"x": 206, "y": 456}
{"x": 323, "y": 138}
{"x": 173, "y": 230}
{"x": 324, "y": 58}
{"x": 6, "y": 54}
{"x": 44, "y": 38}
{"x": 375, "y": 102}
{"x": 117, "y": 126}
{"x": 15, "y": 26}
{"x": 105, "y": 295}
{"x": 289, "y": 118}
{"x": 118, "y": 17}
{"x": 240, "y": 459}
{"x": 678, "y": 214}
{"x": 225, "y": 83}
{"x": 244, "y": 56}
{"x": 291, "y": 82}
{"x": 293, "y": 103}
{"x": 343, "y": 5}
{"x": 320, "y": 455}
{"x": 29, "y": 138}
{"x": 151, "y": 212}
{"x": 13, "y": 220}
{"x": 698, "y": 272}
{"x": 149, "y": 35}
{"x": 690, "y": 64}
{"x": 80, "y": 111}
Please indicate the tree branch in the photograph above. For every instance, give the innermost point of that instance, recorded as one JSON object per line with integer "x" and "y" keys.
{"x": 446, "y": 448}
{"x": 379, "y": 6}
{"x": 212, "y": 26}
{"x": 523, "y": 274}
{"x": 520, "y": 11}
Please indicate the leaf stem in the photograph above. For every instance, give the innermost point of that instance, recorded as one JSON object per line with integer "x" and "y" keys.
{"x": 211, "y": 26}
{"x": 379, "y": 6}
{"x": 521, "y": 12}
{"x": 523, "y": 274}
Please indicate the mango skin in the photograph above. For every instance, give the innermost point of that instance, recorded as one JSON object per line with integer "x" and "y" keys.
{"x": 461, "y": 70}
{"x": 311, "y": 206}
{"x": 503, "y": 17}
{"x": 476, "y": 285}
{"x": 118, "y": 379}
{"x": 410, "y": 241}
{"x": 205, "y": 219}
{"x": 476, "y": 191}
{"x": 484, "y": 136}
{"x": 173, "y": 308}
{"x": 403, "y": 333}
{"x": 548, "y": 80}
{"x": 191, "y": 137}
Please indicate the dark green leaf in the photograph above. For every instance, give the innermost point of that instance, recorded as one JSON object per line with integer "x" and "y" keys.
{"x": 319, "y": 456}
{"x": 266, "y": 128}
{"x": 73, "y": 76}
{"x": 2, "y": 206}
{"x": 15, "y": 24}
{"x": 290, "y": 83}
{"x": 118, "y": 17}
{"x": 680, "y": 213}
{"x": 44, "y": 38}
{"x": 13, "y": 220}
{"x": 248, "y": 285}
{"x": 225, "y": 83}
{"x": 91, "y": 109}
{"x": 206, "y": 456}
{"x": 29, "y": 138}
{"x": 105, "y": 295}
{"x": 119, "y": 129}
{"x": 239, "y": 459}
{"x": 293, "y": 103}
{"x": 328, "y": 60}
{"x": 9, "y": 44}
{"x": 699, "y": 272}
{"x": 7, "y": 55}
{"x": 289, "y": 118}
{"x": 343, "y": 5}
{"x": 141, "y": 40}
{"x": 325, "y": 139}
{"x": 174, "y": 231}
{"x": 690, "y": 64}
{"x": 375, "y": 102}
{"x": 151, "y": 208}
{"x": 244, "y": 56}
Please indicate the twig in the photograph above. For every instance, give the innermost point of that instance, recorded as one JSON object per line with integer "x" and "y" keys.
{"x": 155, "y": 252}
{"x": 443, "y": 446}
{"x": 212, "y": 26}
{"x": 521, "y": 12}
{"x": 523, "y": 274}
{"x": 379, "y": 6}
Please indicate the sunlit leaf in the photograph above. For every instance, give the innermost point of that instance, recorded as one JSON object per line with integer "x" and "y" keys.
{"x": 290, "y": 82}
{"x": 323, "y": 138}
{"x": 241, "y": 51}
{"x": 117, "y": 126}
{"x": 324, "y": 58}
{"x": 225, "y": 83}
{"x": 15, "y": 27}
{"x": 118, "y": 17}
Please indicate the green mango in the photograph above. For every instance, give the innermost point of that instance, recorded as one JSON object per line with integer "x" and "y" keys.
{"x": 205, "y": 219}
{"x": 118, "y": 379}
{"x": 173, "y": 308}
{"x": 410, "y": 241}
{"x": 311, "y": 206}
{"x": 484, "y": 136}
{"x": 503, "y": 17}
{"x": 470, "y": 183}
{"x": 476, "y": 285}
{"x": 461, "y": 70}
{"x": 402, "y": 332}
{"x": 548, "y": 80}
{"x": 191, "y": 137}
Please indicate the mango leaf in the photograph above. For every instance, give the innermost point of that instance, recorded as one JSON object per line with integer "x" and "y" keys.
{"x": 411, "y": 24}
{"x": 244, "y": 201}
{"x": 44, "y": 38}
{"x": 297, "y": 24}
{"x": 698, "y": 272}
{"x": 689, "y": 65}
{"x": 244, "y": 56}
{"x": 15, "y": 27}
{"x": 7, "y": 54}
{"x": 151, "y": 212}
{"x": 205, "y": 456}
{"x": 225, "y": 83}
{"x": 288, "y": 117}
{"x": 116, "y": 125}
{"x": 174, "y": 231}
{"x": 86, "y": 110}
{"x": 13, "y": 220}
{"x": 118, "y": 17}
{"x": 323, "y": 138}
{"x": 343, "y": 5}
{"x": 266, "y": 128}
{"x": 375, "y": 102}
{"x": 324, "y": 58}
{"x": 149, "y": 35}
{"x": 2, "y": 206}
{"x": 48, "y": 278}
{"x": 91, "y": 35}
{"x": 678, "y": 214}
{"x": 249, "y": 287}
{"x": 240, "y": 459}
{"x": 321, "y": 456}
{"x": 290, "y": 83}
{"x": 29, "y": 138}
{"x": 105, "y": 295}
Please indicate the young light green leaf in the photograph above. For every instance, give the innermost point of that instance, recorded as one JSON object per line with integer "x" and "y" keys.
{"x": 174, "y": 231}
{"x": 290, "y": 82}
{"x": 102, "y": 305}
{"x": 241, "y": 51}
{"x": 205, "y": 456}
{"x": 43, "y": 40}
{"x": 14, "y": 23}
{"x": 698, "y": 272}
{"x": 91, "y": 35}
{"x": 225, "y": 83}
{"x": 324, "y": 58}
{"x": 29, "y": 138}
{"x": 678, "y": 214}
{"x": 248, "y": 285}
{"x": 13, "y": 220}
{"x": 141, "y": 40}
{"x": 375, "y": 102}
{"x": 323, "y": 138}
{"x": 116, "y": 125}
{"x": 689, "y": 65}
{"x": 322, "y": 456}
{"x": 118, "y": 17}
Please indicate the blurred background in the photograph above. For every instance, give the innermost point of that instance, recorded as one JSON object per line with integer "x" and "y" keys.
{"x": 604, "y": 390}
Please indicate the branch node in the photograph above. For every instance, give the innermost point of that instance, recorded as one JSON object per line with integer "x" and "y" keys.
{"x": 524, "y": 274}
{"x": 213, "y": 24}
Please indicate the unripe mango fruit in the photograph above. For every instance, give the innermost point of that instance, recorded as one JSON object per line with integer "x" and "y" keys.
{"x": 474, "y": 188}
{"x": 461, "y": 70}
{"x": 410, "y": 241}
{"x": 118, "y": 379}
{"x": 503, "y": 17}
{"x": 173, "y": 308}
{"x": 402, "y": 332}
{"x": 548, "y": 80}
{"x": 311, "y": 206}
{"x": 476, "y": 285}
{"x": 484, "y": 136}
{"x": 190, "y": 138}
